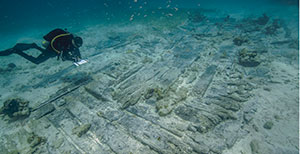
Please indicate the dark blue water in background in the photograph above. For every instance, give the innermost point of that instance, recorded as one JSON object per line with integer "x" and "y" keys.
{"x": 19, "y": 16}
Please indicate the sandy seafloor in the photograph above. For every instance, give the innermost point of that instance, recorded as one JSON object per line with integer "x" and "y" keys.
{"x": 176, "y": 83}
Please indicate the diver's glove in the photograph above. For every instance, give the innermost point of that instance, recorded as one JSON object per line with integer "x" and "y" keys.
{"x": 73, "y": 58}
{"x": 77, "y": 59}
{"x": 75, "y": 55}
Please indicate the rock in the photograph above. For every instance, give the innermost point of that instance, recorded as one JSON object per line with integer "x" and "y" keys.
{"x": 248, "y": 58}
{"x": 186, "y": 113}
{"x": 164, "y": 107}
{"x": 191, "y": 78}
{"x": 277, "y": 117}
{"x": 255, "y": 127}
{"x": 147, "y": 60}
{"x": 231, "y": 140}
{"x": 263, "y": 20}
{"x": 267, "y": 89}
{"x": 182, "y": 94}
{"x": 47, "y": 126}
{"x": 191, "y": 128}
{"x": 217, "y": 149}
{"x": 236, "y": 97}
{"x": 35, "y": 140}
{"x": 225, "y": 114}
{"x": 227, "y": 104}
{"x": 11, "y": 65}
{"x": 262, "y": 71}
{"x": 61, "y": 102}
{"x": 14, "y": 152}
{"x": 200, "y": 149}
{"x": 151, "y": 101}
{"x": 259, "y": 147}
{"x": 285, "y": 150}
{"x": 239, "y": 41}
{"x": 268, "y": 125}
{"x": 99, "y": 114}
{"x": 272, "y": 29}
{"x": 294, "y": 44}
{"x": 132, "y": 100}
{"x": 2, "y": 70}
{"x": 111, "y": 114}
{"x": 58, "y": 143}
{"x": 67, "y": 152}
{"x": 203, "y": 122}
{"x": 15, "y": 108}
{"x": 156, "y": 92}
{"x": 197, "y": 17}
{"x": 254, "y": 145}
{"x": 80, "y": 130}
{"x": 149, "y": 93}
{"x": 248, "y": 116}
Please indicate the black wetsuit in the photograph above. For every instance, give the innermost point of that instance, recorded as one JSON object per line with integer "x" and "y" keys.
{"x": 62, "y": 45}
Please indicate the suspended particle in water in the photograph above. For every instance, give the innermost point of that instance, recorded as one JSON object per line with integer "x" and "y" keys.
{"x": 145, "y": 15}
{"x": 135, "y": 1}
{"x": 168, "y": 6}
{"x": 131, "y": 18}
{"x": 176, "y": 9}
{"x": 105, "y": 5}
{"x": 141, "y": 7}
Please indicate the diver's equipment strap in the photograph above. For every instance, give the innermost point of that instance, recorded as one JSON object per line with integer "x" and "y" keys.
{"x": 59, "y": 55}
{"x": 52, "y": 41}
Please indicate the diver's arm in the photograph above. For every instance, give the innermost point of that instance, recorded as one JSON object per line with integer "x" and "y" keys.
{"x": 67, "y": 55}
{"x": 76, "y": 53}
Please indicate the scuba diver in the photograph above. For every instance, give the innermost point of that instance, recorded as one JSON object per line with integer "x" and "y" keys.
{"x": 58, "y": 43}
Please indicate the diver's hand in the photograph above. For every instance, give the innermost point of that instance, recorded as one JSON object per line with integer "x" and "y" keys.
{"x": 76, "y": 59}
